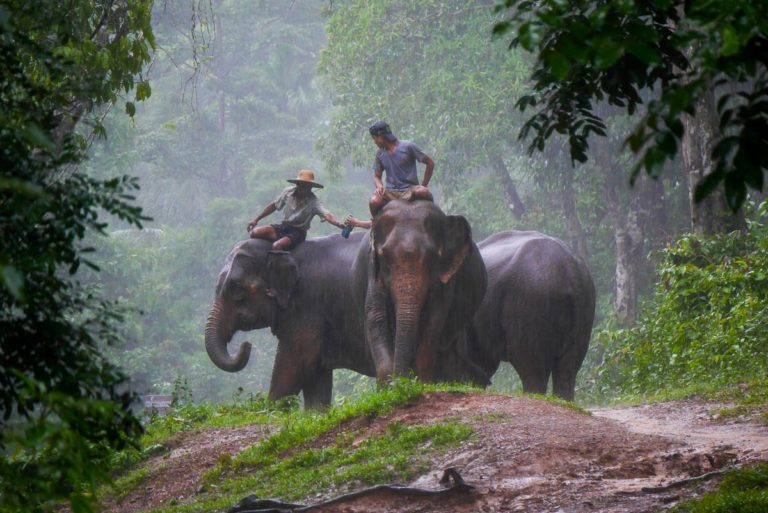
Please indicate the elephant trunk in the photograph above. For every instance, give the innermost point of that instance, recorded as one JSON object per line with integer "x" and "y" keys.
{"x": 408, "y": 298}
{"x": 217, "y": 336}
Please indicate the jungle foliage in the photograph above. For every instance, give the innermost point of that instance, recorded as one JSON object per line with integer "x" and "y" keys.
{"x": 744, "y": 490}
{"x": 64, "y": 404}
{"x": 704, "y": 326}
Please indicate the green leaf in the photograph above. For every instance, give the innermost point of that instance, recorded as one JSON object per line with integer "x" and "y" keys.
{"x": 130, "y": 108}
{"x": 38, "y": 138}
{"x": 143, "y": 91}
{"x": 731, "y": 41}
{"x": 708, "y": 184}
{"x": 13, "y": 280}
{"x": 5, "y": 19}
{"x": 20, "y": 187}
{"x": 558, "y": 64}
{"x": 646, "y": 54}
{"x": 608, "y": 52}
{"x": 500, "y": 28}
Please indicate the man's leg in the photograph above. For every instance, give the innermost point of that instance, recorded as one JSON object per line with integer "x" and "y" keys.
{"x": 264, "y": 232}
{"x": 376, "y": 203}
{"x": 421, "y": 192}
{"x": 284, "y": 244}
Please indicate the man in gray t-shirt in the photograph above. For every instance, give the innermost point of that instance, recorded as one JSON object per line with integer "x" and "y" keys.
{"x": 300, "y": 205}
{"x": 398, "y": 160}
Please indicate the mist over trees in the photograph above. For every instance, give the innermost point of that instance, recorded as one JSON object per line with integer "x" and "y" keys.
{"x": 211, "y": 105}
{"x": 246, "y": 96}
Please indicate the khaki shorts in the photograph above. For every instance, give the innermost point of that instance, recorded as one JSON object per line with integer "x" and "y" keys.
{"x": 393, "y": 194}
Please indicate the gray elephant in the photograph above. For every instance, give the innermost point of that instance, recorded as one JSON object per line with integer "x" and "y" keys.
{"x": 419, "y": 281}
{"x": 537, "y": 313}
{"x": 305, "y": 298}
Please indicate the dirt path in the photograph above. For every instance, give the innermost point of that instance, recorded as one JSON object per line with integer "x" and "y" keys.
{"x": 525, "y": 455}
{"x": 529, "y": 455}
{"x": 696, "y": 425}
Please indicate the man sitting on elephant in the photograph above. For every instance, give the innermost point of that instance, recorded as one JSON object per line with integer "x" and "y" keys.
{"x": 398, "y": 158}
{"x": 300, "y": 205}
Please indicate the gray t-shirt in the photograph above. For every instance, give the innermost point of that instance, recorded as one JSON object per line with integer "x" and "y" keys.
{"x": 400, "y": 165}
{"x": 299, "y": 212}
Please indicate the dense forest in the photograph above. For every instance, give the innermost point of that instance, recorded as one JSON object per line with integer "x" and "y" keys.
{"x": 139, "y": 138}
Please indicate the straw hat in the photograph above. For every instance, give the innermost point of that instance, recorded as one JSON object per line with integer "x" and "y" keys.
{"x": 306, "y": 177}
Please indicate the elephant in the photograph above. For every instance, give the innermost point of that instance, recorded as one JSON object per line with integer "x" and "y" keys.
{"x": 537, "y": 313}
{"x": 304, "y": 296}
{"x": 418, "y": 281}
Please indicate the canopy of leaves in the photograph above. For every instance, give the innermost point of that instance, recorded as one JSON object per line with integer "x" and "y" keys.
{"x": 63, "y": 404}
{"x": 589, "y": 51}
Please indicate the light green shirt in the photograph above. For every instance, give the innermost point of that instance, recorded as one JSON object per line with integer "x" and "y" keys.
{"x": 299, "y": 212}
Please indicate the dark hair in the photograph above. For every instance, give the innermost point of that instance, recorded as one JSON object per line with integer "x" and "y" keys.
{"x": 379, "y": 128}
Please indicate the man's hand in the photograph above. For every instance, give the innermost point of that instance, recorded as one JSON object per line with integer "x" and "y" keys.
{"x": 332, "y": 219}
{"x": 253, "y": 224}
{"x": 380, "y": 189}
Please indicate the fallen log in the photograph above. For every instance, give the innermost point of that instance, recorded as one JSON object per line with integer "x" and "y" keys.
{"x": 452, "y": 481}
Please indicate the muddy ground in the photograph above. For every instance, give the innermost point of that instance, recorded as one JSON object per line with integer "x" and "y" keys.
{"x": 525, "y": 455}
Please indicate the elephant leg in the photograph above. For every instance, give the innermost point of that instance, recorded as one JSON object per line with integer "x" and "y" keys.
{"x": 564, "y": 380}
{"x": 565, "y": 370}
{"x": 318, "y": 389}
{"x": 286, "y": 379}
{"x": 534, "y": 380}
{"x": 297, "y": 357}
{"x": 533, "y": 368}
{"x": 378, "y": 333}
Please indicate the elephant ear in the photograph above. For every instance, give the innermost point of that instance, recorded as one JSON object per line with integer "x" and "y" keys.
{"x": 380, "y": 231}
{"x": 458, "y": 244}
{"x": 282, "y": 276}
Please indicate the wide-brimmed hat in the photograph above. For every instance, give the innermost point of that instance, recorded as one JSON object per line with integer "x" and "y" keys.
{"x": 306, "y": 177}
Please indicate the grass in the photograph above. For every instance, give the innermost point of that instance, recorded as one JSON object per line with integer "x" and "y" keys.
{"x": 188, "y": 417}
{"x": 122, "y": 486}
{"x": 742, "y": 491}
{"x": 399, "y": 454}
{"x": 290, "y": 464}
{"x": 301, "y": 428}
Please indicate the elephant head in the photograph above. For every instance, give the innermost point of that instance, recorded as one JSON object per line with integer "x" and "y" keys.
{"x": 418, "y": 252}
{"x": 253, "y": 288}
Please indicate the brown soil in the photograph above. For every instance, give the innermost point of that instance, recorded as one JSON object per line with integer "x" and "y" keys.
{"x": 525, "y": 455}
{"x": 177, "y": 473}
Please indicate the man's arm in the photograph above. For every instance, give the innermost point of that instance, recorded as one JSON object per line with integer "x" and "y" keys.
{"x": 332, "y": 219}
{"x": 428, "y": 172}
{"x": 358, "y": 223}
{"x": 379, "y": 184}
{"x": 269, "y": 209}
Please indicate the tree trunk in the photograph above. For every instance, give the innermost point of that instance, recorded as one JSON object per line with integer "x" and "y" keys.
{"x": 576, "y": 236}
{"x": 711, "y": 215}
{"x": 515, "y": 203}
{"x": 629, "y": 226}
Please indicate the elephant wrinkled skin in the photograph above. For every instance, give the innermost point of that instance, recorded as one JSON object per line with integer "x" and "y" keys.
{"x": 419, "y": 282}
{"x": 537, "y": 313}
{"x": 305, "y": 298}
